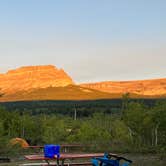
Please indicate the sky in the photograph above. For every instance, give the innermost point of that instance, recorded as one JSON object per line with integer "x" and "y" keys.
{"x": 92, "y": 40}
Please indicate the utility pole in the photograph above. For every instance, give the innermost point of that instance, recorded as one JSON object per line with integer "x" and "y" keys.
{"x": 75, "y": 113}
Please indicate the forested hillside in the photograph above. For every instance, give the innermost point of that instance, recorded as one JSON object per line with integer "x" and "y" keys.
{"x": 135, "y": 127}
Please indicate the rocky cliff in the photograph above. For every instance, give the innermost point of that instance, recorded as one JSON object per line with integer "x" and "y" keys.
{"x": 155, "y": 87}
{"x": 50, "y": 83}
{"x": 32, "y": 77}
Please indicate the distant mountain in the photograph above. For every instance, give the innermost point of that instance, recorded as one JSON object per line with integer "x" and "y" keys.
{"x": 31, "y": 77}
{"x": 155, "y": 87}
{"x": 50, "y": 83}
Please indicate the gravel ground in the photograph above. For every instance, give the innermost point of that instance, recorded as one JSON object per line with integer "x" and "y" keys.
{"x": 138, "y": 160}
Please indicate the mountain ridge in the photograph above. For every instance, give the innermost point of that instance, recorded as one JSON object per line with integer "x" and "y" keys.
{"x": 140, "y": 87}
{"x": 36, "y": 83}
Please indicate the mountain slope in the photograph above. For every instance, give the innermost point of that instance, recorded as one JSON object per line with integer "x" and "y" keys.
{"x": 155, "y": 87}
{"x": 71, "y": 92}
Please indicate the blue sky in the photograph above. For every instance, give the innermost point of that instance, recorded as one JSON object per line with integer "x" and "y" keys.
{"x": 93, "y": 40}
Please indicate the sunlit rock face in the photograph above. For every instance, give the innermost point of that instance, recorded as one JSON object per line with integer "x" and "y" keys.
{"x": 32, "y": 77}
{"x": 143, "y": 87}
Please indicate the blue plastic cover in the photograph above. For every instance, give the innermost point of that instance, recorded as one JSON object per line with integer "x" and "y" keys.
{"x": 51, "y": 150}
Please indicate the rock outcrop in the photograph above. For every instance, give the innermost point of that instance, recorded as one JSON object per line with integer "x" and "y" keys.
{"x": 33, "y": 77}
{"x": 156, "y": 87}
{"x": 48, "y": 82}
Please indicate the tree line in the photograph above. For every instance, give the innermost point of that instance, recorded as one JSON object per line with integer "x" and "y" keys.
{"x": 135, "y": 128}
